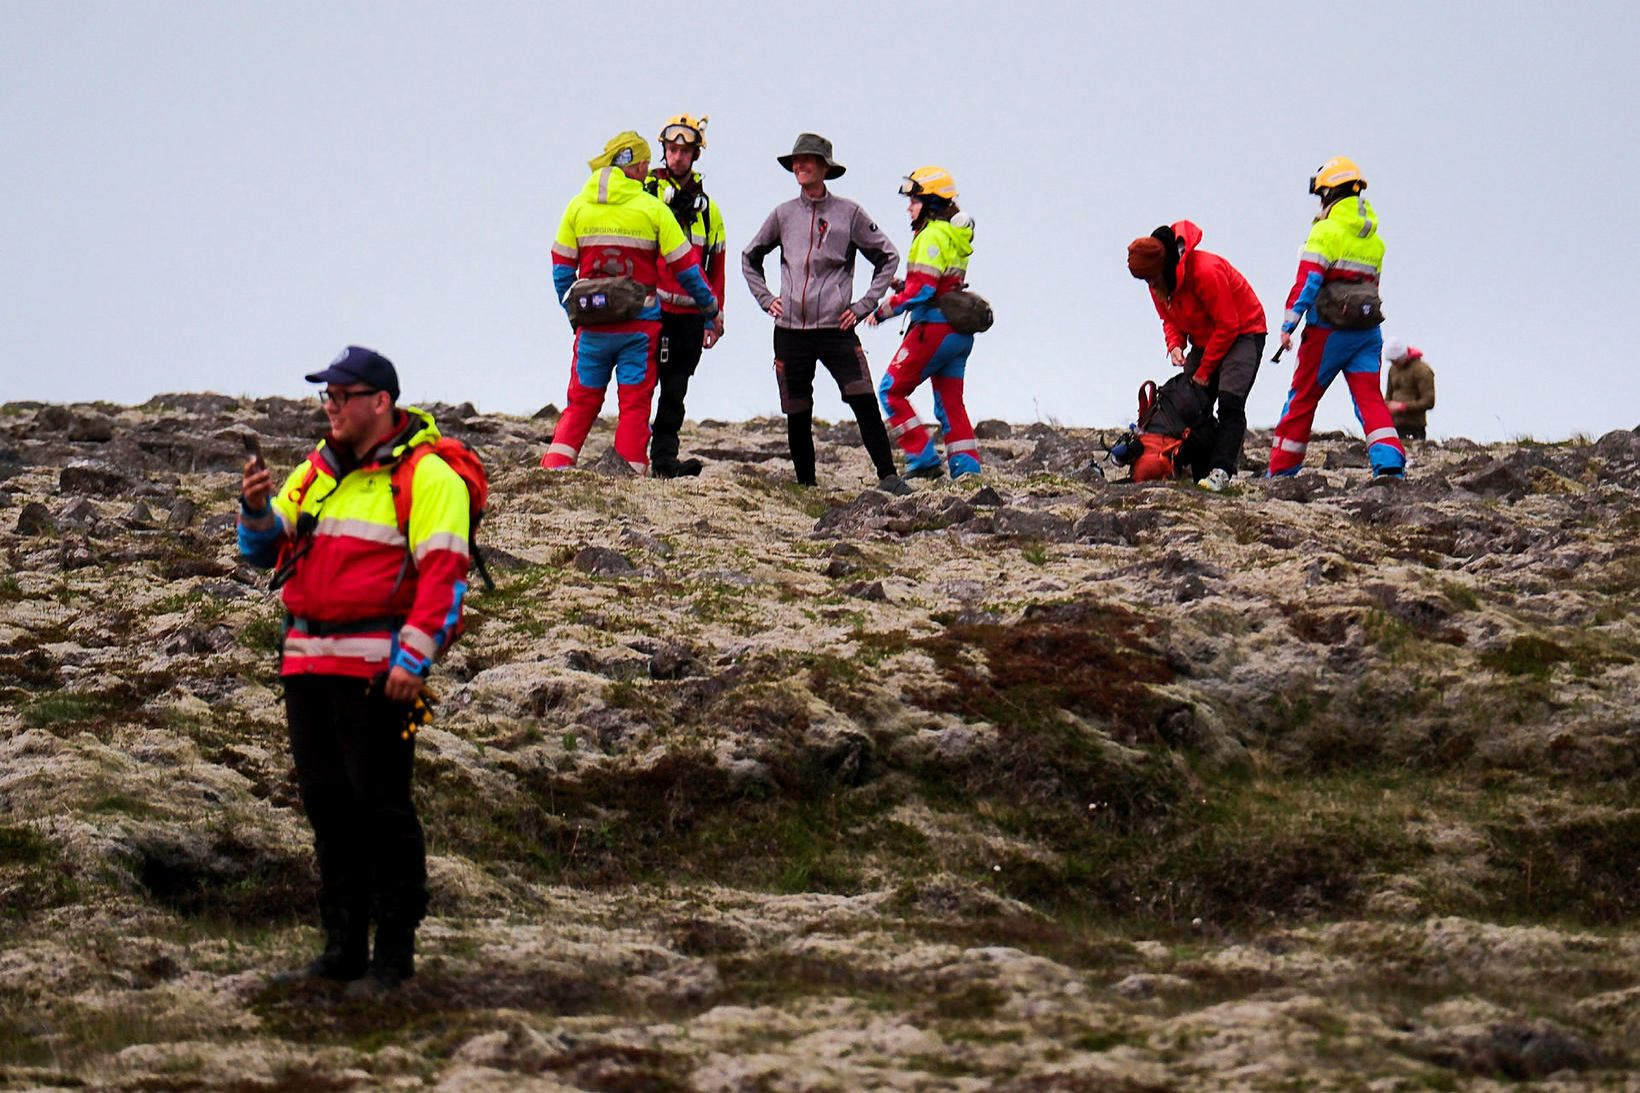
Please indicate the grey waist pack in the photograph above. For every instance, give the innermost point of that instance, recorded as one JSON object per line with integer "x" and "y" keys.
{"x": 1349, "y": 305}
{"x": 966, "y": 312}
{"x": 594, "y": 301}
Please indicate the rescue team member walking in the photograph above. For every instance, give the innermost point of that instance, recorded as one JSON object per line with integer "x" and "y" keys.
{"x": 818, "y": 235}
{"x": 1409, "y": 388}
{"x": 1206, "y": 303}
{"x": 1343, "y": 247}
{"x": 685, "y": 331}
{"x": 613, "y": 230}
{"x": 941, "y": 244}
{"x": 369, "y": 603}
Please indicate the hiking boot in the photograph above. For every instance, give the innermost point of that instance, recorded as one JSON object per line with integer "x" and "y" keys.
{"x": 678, "y": 468}
{"x": 346, "y": 955}
{"x": 933, "y": 470}
{"x": 1217, "y": 479}
{"x": 392, "y": 962}
{"x": 894, "y": 484}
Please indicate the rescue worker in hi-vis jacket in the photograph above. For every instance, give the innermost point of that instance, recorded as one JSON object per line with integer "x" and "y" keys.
{"x": 613, "y": 230}
{"x": 942, "y": 241}
{"x": 1343, "y": 245}
{"x": 685, "y": 330}
{"x": 369, "y": 604}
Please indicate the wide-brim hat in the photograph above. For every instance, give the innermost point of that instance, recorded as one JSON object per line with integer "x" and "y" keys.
{"x": 813, "y": 144}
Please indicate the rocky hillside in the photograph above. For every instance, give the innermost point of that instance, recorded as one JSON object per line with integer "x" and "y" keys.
{"x": 1036, "y": 782}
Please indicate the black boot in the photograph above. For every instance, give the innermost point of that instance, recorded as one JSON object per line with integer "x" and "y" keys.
{"x": 392, "y": 962}
{"x": 677, "y": 468}
{"x": 346, "y": 954}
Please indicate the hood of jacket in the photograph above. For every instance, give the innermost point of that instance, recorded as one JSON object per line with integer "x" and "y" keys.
{"x": 1187, "y": 236}
{"x": 1353, "y": 214}
{"x": 955, "y": 243}
{"x": 610, "y": 186}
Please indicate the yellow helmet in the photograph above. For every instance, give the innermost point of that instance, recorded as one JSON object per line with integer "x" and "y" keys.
{"x": 621, "y": 150}
{"x": 1337, "y": 171}
{"x": 930, "y": 181}
{"x": 687, "y": 128}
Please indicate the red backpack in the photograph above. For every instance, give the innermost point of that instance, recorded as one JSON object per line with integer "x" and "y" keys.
{"x": 465, "y": 462}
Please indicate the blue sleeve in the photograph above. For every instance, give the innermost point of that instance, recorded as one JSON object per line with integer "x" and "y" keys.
{"x": 259, "y": 544}
{"x": 562, "y": 278}
{"x": 691, "y": 279}
{"x": 923, "y": 295}
{"x": 1306, "y": 299}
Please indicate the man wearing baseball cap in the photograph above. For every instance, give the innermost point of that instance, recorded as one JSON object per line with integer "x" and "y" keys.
{"x": 369, "y": 604}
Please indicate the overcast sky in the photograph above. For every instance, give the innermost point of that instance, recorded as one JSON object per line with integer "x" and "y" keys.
{"x": 219, "y": 196}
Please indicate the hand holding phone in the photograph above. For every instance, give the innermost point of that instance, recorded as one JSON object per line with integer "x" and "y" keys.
{"x": 256, "y": 485}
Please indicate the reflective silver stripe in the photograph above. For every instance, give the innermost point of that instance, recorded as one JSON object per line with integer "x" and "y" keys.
{"x": 442, "y": 540}
{"x": 603, "y": 185}
{"x": 910, "y": 423}
{"x": 572, "y": 253}
{"x": 361, "y": 529}
{"x": 1291, "y": 445}
{"x": 636, "y": 242}
{"x": 1381, "y": 434}
{"x": 1313, "y": 258}
{"x": 697, "y": 240}
{"x": 1357, "y": 267}
{"x": 953, "y": 446}
{"x": 1366, "y": 221}
{"x": 918, "y": 267}
{"x": 359, "y": 648}
{"x": 679, "y": 252}
{"x": 418, "y": 642}
{"x": 1293, "y": 317}
{"x": 563, "y": 449}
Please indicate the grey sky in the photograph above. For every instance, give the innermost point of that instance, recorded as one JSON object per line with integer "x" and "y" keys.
{"x": 219, "y": 196}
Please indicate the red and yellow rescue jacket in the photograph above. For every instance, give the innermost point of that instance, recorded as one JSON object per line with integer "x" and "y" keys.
{"x": 612, "y": 228}
{"x": 1212, "y": 306}
{"x": 362, "y": 594}
{"x": 706, "y": 241}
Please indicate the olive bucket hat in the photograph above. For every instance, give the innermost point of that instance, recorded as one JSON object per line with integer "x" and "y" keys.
{"x": 813, "y": 144}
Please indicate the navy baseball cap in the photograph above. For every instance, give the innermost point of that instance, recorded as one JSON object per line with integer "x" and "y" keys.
{"x": 356, "y": 364}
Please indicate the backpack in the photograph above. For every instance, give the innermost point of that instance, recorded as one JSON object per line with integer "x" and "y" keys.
{"x": 595, "y": 301}
{"x": 1349, "y": 305}
{"x": 462, "y": 459}
{"x": 966, "y": 312}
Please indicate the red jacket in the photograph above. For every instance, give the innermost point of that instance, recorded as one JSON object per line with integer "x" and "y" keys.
{"x": 1212, "y": 306}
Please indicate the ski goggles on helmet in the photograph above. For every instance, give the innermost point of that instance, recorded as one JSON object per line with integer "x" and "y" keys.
{"x": 685, "y": 133}
{"x": 910, "y": 187}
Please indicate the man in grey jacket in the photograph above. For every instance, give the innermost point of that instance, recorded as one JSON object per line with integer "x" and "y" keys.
{"x": 818, "y": 234}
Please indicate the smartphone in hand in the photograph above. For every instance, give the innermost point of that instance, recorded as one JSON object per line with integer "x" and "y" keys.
{"x": 253, "y": 450}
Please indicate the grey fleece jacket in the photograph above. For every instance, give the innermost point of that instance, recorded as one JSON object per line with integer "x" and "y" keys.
{"x": 818, "y": 241}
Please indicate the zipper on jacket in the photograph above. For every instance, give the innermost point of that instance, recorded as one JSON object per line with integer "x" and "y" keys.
{"x": 803, "y": 301}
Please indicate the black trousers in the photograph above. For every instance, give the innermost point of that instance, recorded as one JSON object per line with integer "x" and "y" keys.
{"x": 796, "y": 353}
{"x": 353, "y": 771}
{"x": 680, "y": 350}
{"x": 1230, "y": 386}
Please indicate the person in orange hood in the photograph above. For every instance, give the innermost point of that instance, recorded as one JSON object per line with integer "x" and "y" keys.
{"x": 1205, "y": 303}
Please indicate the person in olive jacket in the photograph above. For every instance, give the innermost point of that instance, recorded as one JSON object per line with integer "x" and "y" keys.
{"x": 1409, "y": 388}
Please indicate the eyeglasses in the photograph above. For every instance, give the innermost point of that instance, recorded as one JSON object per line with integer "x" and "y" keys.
{"x": 340, "y": 399}
{"x": 684, "y": 133}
